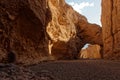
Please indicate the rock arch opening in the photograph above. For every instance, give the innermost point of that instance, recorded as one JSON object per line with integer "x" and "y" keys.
{"x": 92, "y": 11}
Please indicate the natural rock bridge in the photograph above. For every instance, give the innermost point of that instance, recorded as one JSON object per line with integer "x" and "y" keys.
{"x": 30, "y": 31}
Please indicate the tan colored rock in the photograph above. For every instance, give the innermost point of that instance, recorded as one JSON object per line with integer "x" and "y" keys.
{"x": 69, "y": 31}
{"x": 84, "y": 54}
{"x": 111, "y": 28}
{"x": 30, "y": 31}
{"x": 91, "y": 52}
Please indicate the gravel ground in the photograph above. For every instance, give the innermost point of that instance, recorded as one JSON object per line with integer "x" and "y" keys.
{"x": 14, "y": 72}
{"x": 79, "y": 69}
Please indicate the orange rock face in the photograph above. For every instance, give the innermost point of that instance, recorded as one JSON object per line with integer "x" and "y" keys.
{"x": 92, "y": 52}
{"x": 69, "y": 31}
{"x": 32, "y": 30}
{"x": 22, "y": 30}
{"x": 111, "y": 28}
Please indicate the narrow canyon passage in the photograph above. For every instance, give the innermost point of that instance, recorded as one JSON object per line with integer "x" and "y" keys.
{"x": 41, "y": 40}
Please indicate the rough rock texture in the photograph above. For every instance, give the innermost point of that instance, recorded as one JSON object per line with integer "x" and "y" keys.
{"x": 69, "y": 31}
{"x": 22, "y": 30}
{"x": 111, "y": 28}
{"x": 91, "y": 52}
{"x": 13, "y": 72}
{"x": 31, "y": 30}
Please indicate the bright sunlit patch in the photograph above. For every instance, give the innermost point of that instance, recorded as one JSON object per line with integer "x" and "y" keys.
{"x": 85, "y": 46}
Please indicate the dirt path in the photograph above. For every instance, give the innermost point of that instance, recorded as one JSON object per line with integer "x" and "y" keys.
{"x": 80, "y": 69}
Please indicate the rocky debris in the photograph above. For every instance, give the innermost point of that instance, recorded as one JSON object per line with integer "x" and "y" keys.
{"x": 91, "y": 52}
{"x": 13, "y": 72}
{"x": 111, "y": 28}
{"x": 30, "y": 31}
{"x": 81, "y": 69}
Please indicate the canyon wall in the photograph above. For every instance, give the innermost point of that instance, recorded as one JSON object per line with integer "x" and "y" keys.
{"x": 22, "y": 31}
{"x": 91, "y": 52}
{"x": 33, "y": 30}
{"x": 69, "y": 31}
{"x": 111, "y": 28}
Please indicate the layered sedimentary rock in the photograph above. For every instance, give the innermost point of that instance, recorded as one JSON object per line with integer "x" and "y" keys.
{"x": 111, "y": 28}
{"x": 31, "y": 30}
{"x": 91, "y": 52}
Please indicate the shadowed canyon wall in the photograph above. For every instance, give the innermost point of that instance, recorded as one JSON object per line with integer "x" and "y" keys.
{"x": 32, "y": 30}
{"x": 22, "y": 30}
{"x": 111, "y": 28}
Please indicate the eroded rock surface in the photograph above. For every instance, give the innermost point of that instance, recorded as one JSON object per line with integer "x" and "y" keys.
{"x": 22, "y": 30}
{"x": 111, "y": 28}
{"x": 70, "y": 31}
{"x": 31, "y": 30}
{"x": 91, "y": 52}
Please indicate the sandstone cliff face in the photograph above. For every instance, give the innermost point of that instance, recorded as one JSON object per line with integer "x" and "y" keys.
{"x": 92, "y": 52}
{"x": 69, "y": 31}
{"x": 111, "y": 28}
{"x": 31, "y": 30}
{"x": 22, "y": 30}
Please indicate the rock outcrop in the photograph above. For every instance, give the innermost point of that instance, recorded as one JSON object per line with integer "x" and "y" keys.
{"x": 69, "y": 31}
{"x": 111, "y": 28}
{"x": 31, "y": 30}
{"x": 91, "y": 52}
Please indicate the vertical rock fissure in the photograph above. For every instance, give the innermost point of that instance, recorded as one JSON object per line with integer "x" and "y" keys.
{"x": 112, "y": 33}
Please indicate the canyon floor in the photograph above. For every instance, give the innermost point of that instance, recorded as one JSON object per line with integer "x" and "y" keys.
{"x": 79, "y": 69}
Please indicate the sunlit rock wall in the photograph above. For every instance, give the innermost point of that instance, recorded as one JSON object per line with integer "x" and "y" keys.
{"x": 111, "y": 28}
{"x": 31, "y": 31}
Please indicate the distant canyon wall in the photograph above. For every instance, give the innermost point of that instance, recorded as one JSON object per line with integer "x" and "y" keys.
{"x": 111, "y": 28}
{"x": 91, "y": 52}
